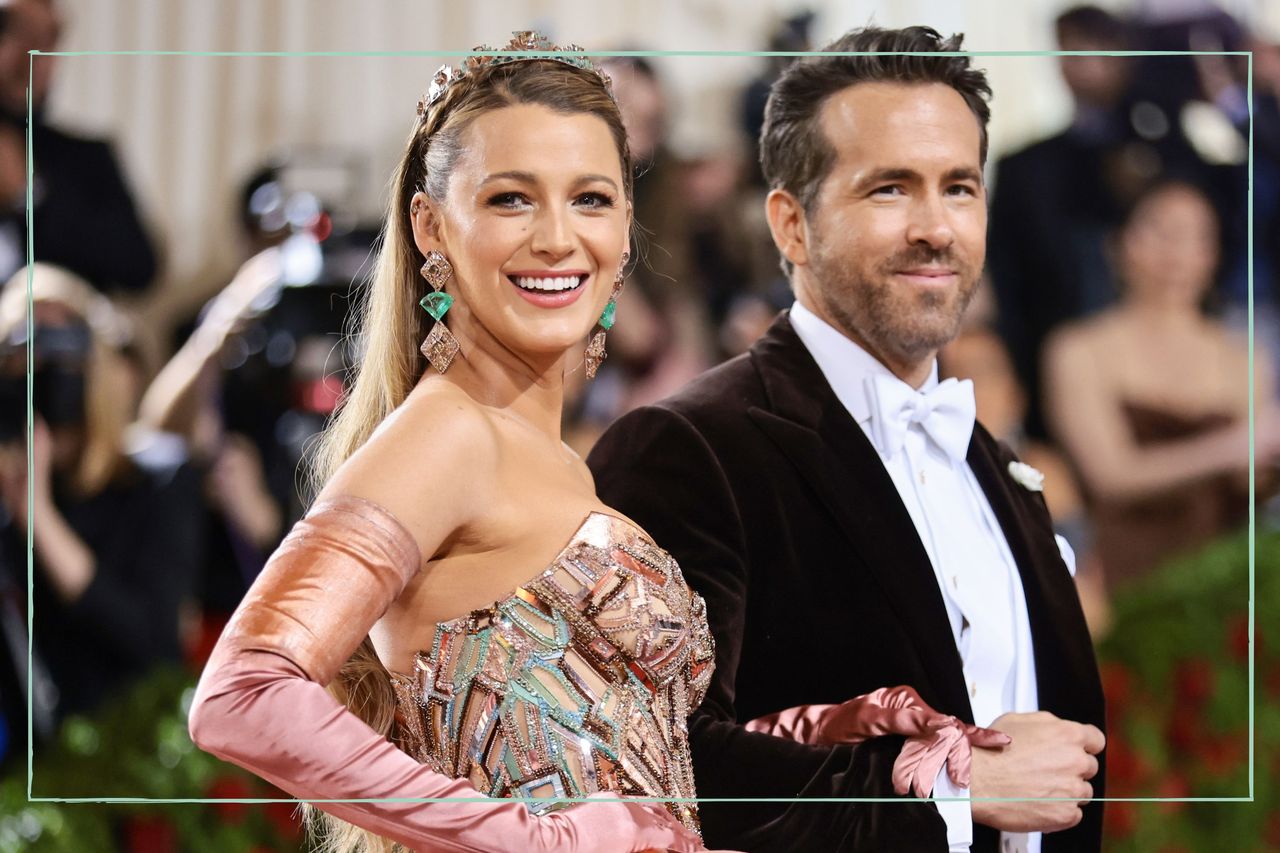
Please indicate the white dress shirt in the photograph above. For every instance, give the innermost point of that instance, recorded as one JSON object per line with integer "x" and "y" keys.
{"x": 972, "y": 564}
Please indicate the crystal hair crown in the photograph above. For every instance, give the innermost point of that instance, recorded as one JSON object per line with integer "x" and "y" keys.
{"x": 525, "y": 46}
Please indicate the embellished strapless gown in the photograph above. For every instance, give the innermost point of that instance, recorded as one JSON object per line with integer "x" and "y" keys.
{"x": 579, "y": 681}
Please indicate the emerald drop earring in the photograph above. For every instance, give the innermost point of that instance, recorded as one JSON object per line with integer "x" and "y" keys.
{"x": 595, "y": 344}
{"x": 440, "y": 345}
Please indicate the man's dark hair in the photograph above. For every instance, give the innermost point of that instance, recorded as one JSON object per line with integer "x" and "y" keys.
{"x": 637, "y": 65}
{"x": 796, "y": 155}
{"x": 1092, "y": 24}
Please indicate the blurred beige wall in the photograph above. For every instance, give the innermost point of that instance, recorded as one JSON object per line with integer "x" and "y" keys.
{"x": 191, "y": 128}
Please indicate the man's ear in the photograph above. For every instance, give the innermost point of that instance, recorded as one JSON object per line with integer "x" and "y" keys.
{"x": 787, "y": 224}
{"x": 424, "y": 214}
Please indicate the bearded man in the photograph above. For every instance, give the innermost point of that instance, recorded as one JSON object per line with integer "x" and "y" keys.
{"x": 848, "y": 523}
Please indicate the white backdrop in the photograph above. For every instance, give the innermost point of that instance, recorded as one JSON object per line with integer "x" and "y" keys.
{"x": 190, "y": 129}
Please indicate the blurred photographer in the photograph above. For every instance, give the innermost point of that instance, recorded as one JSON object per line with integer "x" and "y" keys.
{"x": 115, "y": 544}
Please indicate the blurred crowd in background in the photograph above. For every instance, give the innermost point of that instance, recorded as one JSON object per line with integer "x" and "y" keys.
{"x": 1109, "y": 345}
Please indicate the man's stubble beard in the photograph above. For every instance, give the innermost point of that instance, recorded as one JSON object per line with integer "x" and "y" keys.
{"x": 873, "y": 314}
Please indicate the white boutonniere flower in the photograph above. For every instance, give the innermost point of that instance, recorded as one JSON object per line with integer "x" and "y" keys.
{"x": 1029, "y": 478}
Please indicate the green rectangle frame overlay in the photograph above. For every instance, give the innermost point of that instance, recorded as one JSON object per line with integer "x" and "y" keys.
{"x": 1249, "y": 798}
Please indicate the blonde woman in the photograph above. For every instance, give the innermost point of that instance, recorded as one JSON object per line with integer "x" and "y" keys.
{"x": 489, "y": 628}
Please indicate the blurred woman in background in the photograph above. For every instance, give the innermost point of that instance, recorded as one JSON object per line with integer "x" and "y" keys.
{"x": 1150, "y": 398}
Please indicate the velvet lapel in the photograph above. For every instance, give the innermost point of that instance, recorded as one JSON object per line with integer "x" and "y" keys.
{"x": 1065, "y": 670}
{"x": 815, "y": 432}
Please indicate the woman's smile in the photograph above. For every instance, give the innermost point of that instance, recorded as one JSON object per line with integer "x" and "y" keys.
{"x": 549, "y": 288}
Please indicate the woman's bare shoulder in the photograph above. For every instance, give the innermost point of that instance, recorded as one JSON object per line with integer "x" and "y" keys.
{"x": 431, "y": 463}
{"x": 1075, "y": 345}
{"x": 1101, "y": 329}
{"x": 1232, "y": 343}
{"x": 1070, "y": 340}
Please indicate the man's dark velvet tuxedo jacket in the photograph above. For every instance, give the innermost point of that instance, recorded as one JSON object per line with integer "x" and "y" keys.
{"x": 818, "y": 589}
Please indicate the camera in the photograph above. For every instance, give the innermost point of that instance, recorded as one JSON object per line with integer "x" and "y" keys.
{"x": 59, "y": 356}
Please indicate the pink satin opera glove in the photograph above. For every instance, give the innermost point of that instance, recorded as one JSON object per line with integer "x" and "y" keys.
{"x": 932, "y": 738}
{"x": 261, "y": 703}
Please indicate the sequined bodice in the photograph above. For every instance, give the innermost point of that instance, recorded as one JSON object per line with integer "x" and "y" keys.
{"x": 579, "y": 681}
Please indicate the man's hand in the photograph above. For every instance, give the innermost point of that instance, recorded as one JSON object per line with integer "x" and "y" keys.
{"x": 13, "y": 474}
{"x": 237, "y": 485}
{"x": 13, "y": 169}
{"x": 1049, "y": 757}
{"x": 241, "y": 300}
{"x": 13, "y": 481}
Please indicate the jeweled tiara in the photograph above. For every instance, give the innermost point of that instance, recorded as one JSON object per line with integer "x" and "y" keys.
{"x": 525, "y": 46}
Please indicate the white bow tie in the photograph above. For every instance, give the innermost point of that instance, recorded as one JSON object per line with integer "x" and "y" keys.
{"x": 946, "y": 414}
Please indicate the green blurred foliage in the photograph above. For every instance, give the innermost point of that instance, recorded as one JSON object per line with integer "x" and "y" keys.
{"x": 138, "y": 747}
{"x": 1175, "y": 667}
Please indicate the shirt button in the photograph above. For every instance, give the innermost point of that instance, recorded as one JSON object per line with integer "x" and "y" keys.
{"x": 973, "y": 689}
{"x": 922, "y": 478}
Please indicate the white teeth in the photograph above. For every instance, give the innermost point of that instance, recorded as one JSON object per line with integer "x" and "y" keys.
{"x": 551, "y": 284}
